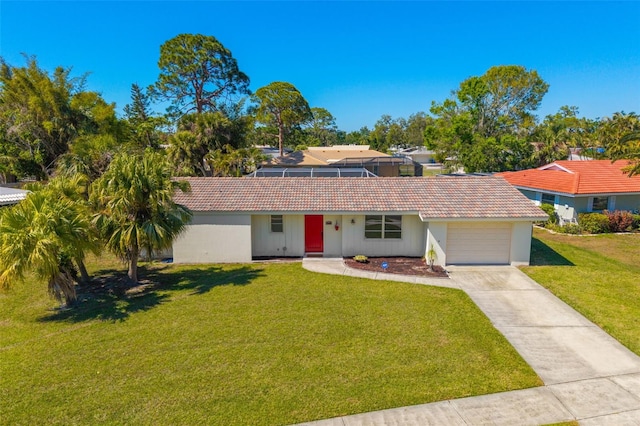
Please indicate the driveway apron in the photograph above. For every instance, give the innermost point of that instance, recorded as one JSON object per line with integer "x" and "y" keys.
{"x": 588, "y": 375}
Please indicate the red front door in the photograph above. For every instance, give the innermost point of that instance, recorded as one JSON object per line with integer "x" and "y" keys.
{"x": 313, "y": 238}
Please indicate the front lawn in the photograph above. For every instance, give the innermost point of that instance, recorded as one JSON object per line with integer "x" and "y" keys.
{"x": 243, "y": 344}
{"x": 599, "y": 276}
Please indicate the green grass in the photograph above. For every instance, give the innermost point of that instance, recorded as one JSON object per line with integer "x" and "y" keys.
{"x": 599, "y": 276}
{"x": 243, "y": 344}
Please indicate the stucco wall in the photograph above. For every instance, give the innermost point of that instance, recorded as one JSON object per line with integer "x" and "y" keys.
{"x": 333, "y": 238}
{"x": 521, "y": 243}
{"x": 628, "y": 202}
{"x": 412, "y": 242}
{"x": 530, "y": 195}
{"x": 437, "y": 235}
{"x": 215, "y": 238}
{"x": 290, "y": 242}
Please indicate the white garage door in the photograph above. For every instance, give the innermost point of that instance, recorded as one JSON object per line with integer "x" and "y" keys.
{"x": 478, "y": 243}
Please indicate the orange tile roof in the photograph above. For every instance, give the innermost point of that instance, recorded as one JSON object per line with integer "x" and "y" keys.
{"x": 431, "y": 198}
{"x": 577, "y": 177}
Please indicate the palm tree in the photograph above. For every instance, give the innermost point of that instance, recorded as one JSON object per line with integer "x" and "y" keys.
{"x": 42, "y": 235}
{"x": 628, "y": 148}
{"x": 134, "y": 206}
{"x": 74, "y": 187}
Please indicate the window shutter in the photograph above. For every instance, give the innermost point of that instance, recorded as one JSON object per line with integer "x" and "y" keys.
{"x": 612, "y": 203}
{"x": 590, "y": 204}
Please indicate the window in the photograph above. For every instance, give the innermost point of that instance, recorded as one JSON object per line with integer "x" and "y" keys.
{"x": 393, "y": 226}
{"x": 276, "y": 223}
{"x": 548, "y": 199}
{"x": 600, "y": 203}
{"x": 373, "y": 227}
{"x": 379, "y": 226}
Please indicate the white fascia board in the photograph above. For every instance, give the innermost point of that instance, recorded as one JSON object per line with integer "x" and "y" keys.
{"x": 607, "y": 194}
{"x": 556, "y": 166}
{"x": 323, "y": 212}
{"x": 484, "y": 219}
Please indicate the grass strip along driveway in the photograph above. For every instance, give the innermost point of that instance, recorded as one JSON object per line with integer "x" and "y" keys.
{"x": 243, "y": 344}
{"x": 599, "y": 276}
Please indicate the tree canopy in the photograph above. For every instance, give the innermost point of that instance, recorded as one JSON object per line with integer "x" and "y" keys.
{"x": 282, "y": 106}
{"x": 486, "y": 124}
{"x": 42, "y": 114}
{"x": 197, "y": 73}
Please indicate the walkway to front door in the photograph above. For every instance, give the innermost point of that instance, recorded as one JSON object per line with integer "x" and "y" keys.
{"x": 313, "y": 234}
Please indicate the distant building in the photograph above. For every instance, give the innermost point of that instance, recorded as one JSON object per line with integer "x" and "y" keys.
{"x": 10, "y": 196}
{"x": 348, "y": 156}
{"x": 574, "y": 187}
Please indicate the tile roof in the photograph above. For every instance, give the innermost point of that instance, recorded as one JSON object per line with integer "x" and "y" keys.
{"x": 318, "y": 156}
{"x": 432, "y": 198}
{"x": 577, "y": 177}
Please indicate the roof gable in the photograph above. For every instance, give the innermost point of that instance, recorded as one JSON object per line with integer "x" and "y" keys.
{"x": 577, "y": 177}
{"x": 431, "y": 198}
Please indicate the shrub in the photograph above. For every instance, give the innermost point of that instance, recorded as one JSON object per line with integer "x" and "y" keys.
{"x": 361, "y": 258}
{"x": 636, "y": 222}
{"x": 619, "y": 221}
{"x": 571, "y": 228}
{"x": 553, "y": 216}
{"x": 593, "y": 223}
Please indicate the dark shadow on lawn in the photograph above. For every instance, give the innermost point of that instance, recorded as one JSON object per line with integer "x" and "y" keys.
{"x": 205, "y": 278}
{"x": 542, "y": 254}
{"x": 111, "y": 297}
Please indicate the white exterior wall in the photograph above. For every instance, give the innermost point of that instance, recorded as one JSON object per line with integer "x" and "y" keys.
{"x": 521, "y": 243}
{"x": 412, "y": 242}
{"x": 333, "y": 238}
{"x": 437, "y": 235}
{"x": 290, "y": 242}
{"x": 215, "y": 238}
{"x": 520, "y": 249}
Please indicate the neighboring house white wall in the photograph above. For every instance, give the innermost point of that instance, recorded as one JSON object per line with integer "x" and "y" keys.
{"x": 354, "y": 242}
{"x": 290, "y": 242}
{"x": 521, "y": 243}
{"x": 215, "y": 238}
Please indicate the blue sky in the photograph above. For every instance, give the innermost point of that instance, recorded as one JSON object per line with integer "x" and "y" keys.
{"x": 360, "y": 59}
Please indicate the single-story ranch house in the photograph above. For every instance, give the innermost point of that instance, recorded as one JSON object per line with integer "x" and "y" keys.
{"x": 467, "y": 220}
{"x": 574, "y": 187}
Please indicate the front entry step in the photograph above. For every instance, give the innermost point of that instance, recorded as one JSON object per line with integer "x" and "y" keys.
{"x": 314, "y": 255}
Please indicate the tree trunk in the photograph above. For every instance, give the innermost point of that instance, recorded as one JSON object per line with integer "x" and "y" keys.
{"x": 133, "y": 265}
{"x": 281, "y": 139}
{"x": 84, "y": 275}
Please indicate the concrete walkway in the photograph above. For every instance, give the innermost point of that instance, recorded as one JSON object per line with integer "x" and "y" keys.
{"x": 588, "y": 375}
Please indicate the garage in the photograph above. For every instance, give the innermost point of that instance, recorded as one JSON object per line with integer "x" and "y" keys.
{"x": 479, "y": 243}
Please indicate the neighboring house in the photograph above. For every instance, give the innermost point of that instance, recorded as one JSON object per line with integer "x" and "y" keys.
{"x": 348, "y": 156}
{"x": 423, "y": 156}
{"x": 468, "y": 220}
{"x": 10, "y": 196}
{"x": 271, "y": 152}
{"x": 574, "y": 187}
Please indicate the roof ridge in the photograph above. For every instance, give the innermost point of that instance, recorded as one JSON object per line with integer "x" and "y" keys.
{"x": 576, "y": 182}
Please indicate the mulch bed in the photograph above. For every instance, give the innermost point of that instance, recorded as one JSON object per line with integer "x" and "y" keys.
{"x": 398, "y": 265}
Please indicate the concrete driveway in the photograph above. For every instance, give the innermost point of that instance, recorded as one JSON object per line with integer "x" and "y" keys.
{"x": 588, "y": 375}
